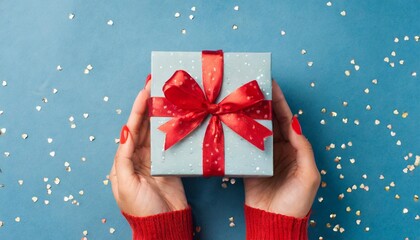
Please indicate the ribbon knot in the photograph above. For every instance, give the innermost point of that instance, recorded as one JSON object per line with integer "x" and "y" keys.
{"x": 212, "y": 108}
{"x": 189, "y": 105}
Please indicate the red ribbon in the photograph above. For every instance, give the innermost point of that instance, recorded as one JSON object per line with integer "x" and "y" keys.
{"x": 186, "y": 102}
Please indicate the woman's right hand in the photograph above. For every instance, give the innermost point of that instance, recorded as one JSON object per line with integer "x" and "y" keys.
{"x": 137, "y": 192}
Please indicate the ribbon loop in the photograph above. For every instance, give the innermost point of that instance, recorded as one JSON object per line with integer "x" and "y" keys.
{"x": 183, "y": 91}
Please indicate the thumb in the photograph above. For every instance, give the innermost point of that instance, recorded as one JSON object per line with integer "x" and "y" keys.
{"x": 304, "y": 153}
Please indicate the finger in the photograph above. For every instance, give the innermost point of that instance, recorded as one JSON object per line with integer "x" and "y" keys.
{"x": 123, "y": 164}
{"x": 114, "y": 182}
{"x": 145, "y": 123}
{"x": 282, "y": 111}
{"x": 304, "y": 153}
{"x": 113, "y": 173}
{"x": 138, "y": 112}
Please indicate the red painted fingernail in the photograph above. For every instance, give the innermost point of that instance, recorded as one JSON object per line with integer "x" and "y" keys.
{"x": 149, "y": 77}
{"x": 124, "y": 134}
{"x": 296, "y": 125}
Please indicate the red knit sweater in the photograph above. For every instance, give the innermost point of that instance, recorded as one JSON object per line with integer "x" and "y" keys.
{"x": 177, "y": 225}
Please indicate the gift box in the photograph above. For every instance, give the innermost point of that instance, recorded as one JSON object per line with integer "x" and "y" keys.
{"x": 211, "y": 114}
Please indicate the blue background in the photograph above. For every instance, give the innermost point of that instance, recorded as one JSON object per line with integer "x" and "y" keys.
{"x": 37, "y": 36}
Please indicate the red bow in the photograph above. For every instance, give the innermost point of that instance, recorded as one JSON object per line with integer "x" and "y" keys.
{"x": 185, "y": 101}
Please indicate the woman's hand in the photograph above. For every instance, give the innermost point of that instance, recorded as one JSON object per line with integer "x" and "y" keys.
{"x": 296, "y": 179}
{"x": 138, "y": 193}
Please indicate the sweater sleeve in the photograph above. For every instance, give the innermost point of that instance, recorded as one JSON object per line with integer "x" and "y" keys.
{"x": 262, "y": 225}
{"x": 175, "y": 225}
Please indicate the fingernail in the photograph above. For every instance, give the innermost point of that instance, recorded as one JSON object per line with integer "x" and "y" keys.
{"x": 296, "y": 125}
{"x": 124, "y": 134}
{"x": 149, "y": 77}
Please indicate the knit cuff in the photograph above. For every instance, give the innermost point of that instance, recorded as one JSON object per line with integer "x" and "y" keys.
{"x": 262, "y": 225}
{"x": 175, "y": 225}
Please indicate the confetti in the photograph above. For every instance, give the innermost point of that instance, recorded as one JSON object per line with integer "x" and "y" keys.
{"x": 57, "y": 181}
{"x": 231, "y": 222}
{"x": 347, "y": 73}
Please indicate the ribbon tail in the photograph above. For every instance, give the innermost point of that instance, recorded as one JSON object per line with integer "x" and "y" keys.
{"x": 178, "y": 128}
{"x": 214, "y": 149}
{"x": 247, "y": 128}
